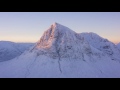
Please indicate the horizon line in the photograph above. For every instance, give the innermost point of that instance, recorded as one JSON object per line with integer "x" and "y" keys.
{"x": 36, "y": 41}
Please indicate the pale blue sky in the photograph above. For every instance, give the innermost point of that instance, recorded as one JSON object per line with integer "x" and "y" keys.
{"x": 29, "y": 26}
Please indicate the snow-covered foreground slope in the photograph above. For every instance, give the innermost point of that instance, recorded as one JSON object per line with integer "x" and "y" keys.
{"x": 33, "y": 66}
{"x": 10, "y": 50}
{"x": 63, "y": 53}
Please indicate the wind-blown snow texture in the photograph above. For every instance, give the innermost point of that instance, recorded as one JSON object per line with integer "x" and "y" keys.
{"x": 102, "y": 45}
{"x": 10, "y": 50}
{"x": 63, "y": 53}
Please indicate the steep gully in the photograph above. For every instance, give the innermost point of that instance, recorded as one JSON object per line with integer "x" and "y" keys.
{"x": 58, "y": 50}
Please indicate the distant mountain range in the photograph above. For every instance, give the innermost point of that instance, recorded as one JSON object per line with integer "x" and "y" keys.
{"x": 10, "y": 50}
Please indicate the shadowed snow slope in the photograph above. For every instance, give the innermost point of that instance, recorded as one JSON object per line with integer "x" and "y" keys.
{"x": 10, "y": 50}
{"x": 63, "y": 53}
{"x": 102, "y": 44}
{"x": 118, "y": 45}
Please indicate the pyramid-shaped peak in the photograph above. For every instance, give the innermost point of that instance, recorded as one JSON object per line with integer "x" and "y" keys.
{"x": 56, "y": 33}
{"x": 59, "y": 27}
{"x": 56, "y": 24}
{"x": 60, "y": 41}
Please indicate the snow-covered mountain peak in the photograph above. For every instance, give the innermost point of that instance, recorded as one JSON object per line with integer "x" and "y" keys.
{"x": 56, "y": 33}
{"x": 61, "y": 41}
{"x": 55, "y": 24}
